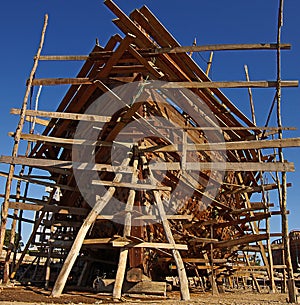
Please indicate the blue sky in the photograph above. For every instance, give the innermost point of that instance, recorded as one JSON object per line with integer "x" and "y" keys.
{"x": 74, "y": 26}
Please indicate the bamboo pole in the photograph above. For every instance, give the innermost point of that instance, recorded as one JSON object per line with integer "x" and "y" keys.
{"x": 292, "y": 293}
{"x": 4, "y": 211}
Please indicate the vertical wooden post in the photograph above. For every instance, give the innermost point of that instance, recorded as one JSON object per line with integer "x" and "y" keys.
{"x": 89, "y": 220}
{"x": 117, "y": 292}
{"x": 284, "y": 221}
{"x": 270, "y": 258}
{"x": 214, "y": 287}
{"x": 4, "y": 210}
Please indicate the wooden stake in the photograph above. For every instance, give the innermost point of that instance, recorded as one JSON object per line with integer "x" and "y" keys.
{"x": 117, "y": 292}
{"x": 4, "y": 211}
{"x": 292, "y": 292}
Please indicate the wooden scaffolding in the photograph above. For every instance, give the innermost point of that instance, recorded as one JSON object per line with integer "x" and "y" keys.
{"x": 175, "y": 198}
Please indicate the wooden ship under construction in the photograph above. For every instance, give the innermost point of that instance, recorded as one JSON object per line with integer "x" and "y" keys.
{"x": 155, "y": 181}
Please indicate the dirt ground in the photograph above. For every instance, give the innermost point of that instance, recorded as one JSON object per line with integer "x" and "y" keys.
{"x": 32, "y": 295}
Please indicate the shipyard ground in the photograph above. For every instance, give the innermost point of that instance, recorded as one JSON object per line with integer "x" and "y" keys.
{"x": 32, "y": 295}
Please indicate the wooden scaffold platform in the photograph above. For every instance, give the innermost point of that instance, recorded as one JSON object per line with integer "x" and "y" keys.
{"x": 150, "y": 170}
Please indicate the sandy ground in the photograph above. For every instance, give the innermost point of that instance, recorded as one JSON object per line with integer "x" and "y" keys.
{"x": 33, "y": 295}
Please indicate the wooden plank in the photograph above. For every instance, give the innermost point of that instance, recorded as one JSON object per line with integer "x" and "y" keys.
{"x": 64, "y": 141}
{"x": 61, "y": 81}
{"x": 113, "y": 60}
{"x": 48, "y": 208}
{"x": 64, "y": 115}
{"x": 182, "y": 49}
{"x": 137, "y": 186}
{"x": 221, "y": 47}
{"x": 37, "y": 120}
{"x": 235, "y": 222}
{"x": 240, "y": 241}
{"x": 147, "y": 217}
{"x": 149, "y": 245}
{"x": 237, "y": 145}
{"x": 230, "y": 84}
{"x": 227, "y": 166}
{"x": 39, "y": 182}
{"x": 64, "y": 165}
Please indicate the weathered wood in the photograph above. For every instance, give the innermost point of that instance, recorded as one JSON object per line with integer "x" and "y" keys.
{"x": 254, "y": 144}
{"x": 63, "y": 165}
{"x": 37, "y": 120}
{"x": 117, "y": 291}
{"x": 198, "y": 85}
{"x": 4, "y": 209}
{"x": 184, "y": 286}
{"x": 39, "y": 182}
{"x": 242, "y": 240}
{"x": 48, "y": 208}
{"x": 183, "y": 49}
{"x": 89, "y": 220}
{"x": 61, "y": 81}
{"x": 227, "y": 166}
{"x": 64, "y": 141}
{"x": 149, "y": 245}
{"x": 230, "y": 84}
{"x": 64, "y": 115}
{"x": 221, "y": 47}
{"x": 136, "y": 186}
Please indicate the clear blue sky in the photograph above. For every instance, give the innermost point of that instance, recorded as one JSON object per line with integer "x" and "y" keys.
{"x": 74, "y": 26}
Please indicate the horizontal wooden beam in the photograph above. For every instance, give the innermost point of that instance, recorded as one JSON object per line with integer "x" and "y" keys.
{"x": 63, "y": 115}
{"x": 222, "y": 47}
{"x": 136, "y": 186}
{"x": 65, "y": 141}
{"x": 235, "y": 222}
{"x": 39, "y": 182}
{"x": 226, "y": 166}
{"x": 48, "y": 208}
{"x": 231, "y": 84}
{"x": 238, "y": 145}
{"x": 145, "y": 217}
{"x": 63, "y": 165}
{"x": 190, "y": 85}
{"x": 242, "y": 240}
{"x": 182, "y": 49}
{"x": 37, "y": 120}
{"x": 120, "y": 244}
{"x": 61, "y": 81}
{"x": 149, "y": 245}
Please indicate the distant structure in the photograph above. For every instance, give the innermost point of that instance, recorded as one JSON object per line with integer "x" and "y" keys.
{"x": 151, "y": 170}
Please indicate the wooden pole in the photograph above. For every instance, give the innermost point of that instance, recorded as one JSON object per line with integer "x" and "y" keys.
{"x": 4, "y": 211}
{"x": 270, "y": 258}
{"x": 117, "y": 292}
{"x": 292, "y": 293}
{"x": 184, "y": 284}
{"x": 89, "y": 220}
{"x": 209, "y": 63}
